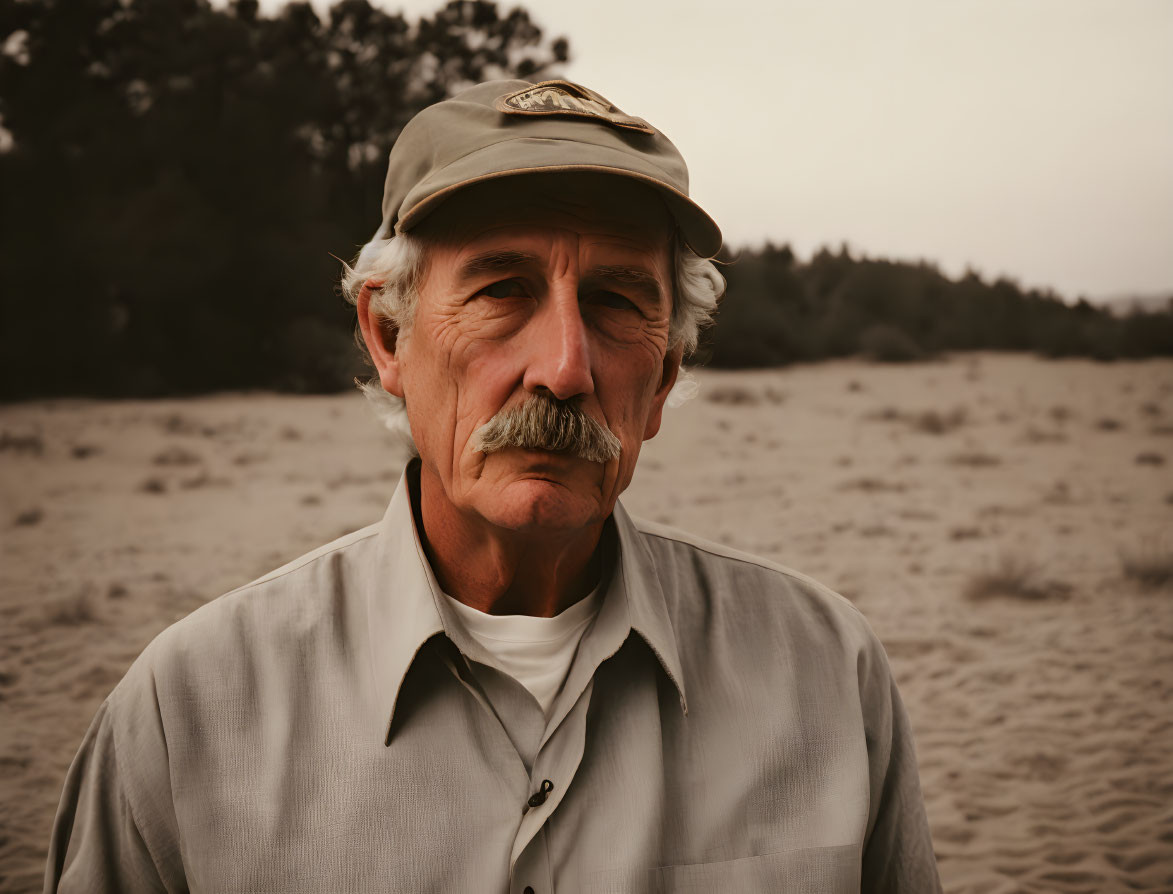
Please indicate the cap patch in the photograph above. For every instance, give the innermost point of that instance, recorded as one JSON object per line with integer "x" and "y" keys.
{"x": 567, "y": 98}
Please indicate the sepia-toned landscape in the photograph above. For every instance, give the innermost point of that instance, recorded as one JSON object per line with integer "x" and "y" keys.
{"x": 1002, "y": 520}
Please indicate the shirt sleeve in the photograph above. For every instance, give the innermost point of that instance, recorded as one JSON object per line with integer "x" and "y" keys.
{"x": 104, "y": 839}
{"x": 898, "y": 853}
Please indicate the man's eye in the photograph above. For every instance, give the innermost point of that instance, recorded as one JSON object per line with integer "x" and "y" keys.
{"x": 610, "y": 299}
{"x": 506, "y": 288}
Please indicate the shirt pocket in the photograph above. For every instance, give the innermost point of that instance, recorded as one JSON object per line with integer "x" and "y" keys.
{"x": 819, "y": 870}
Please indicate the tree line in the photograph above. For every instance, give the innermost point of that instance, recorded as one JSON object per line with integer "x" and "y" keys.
{"x": 174, "y": 178}
{"x": 178, "y": 180}
{"x": 779, "y": 310}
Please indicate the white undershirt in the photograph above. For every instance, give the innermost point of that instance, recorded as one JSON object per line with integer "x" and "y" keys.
{"x": 536, "y": 652}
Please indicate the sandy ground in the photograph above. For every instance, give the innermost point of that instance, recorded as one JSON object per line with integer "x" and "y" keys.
{"x": 1042, "y": 702}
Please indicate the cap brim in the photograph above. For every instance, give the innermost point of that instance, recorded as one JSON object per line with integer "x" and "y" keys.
{"x": 509, "y": 159}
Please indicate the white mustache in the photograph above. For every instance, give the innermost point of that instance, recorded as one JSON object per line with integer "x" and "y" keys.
{"x": 546, "y": 423}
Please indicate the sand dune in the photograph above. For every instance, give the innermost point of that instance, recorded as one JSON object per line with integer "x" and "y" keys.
{"x": 978, "y": 510}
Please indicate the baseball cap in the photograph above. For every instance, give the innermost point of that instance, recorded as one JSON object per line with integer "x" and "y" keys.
{"x": 513, "y": 127}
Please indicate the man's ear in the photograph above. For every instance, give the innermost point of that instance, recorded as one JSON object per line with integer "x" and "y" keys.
{"x": 381, "y": 336}
{"x": 668, "y": 377}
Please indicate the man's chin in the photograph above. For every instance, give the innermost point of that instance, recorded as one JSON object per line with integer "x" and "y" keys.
{"x": 537, "y": 500}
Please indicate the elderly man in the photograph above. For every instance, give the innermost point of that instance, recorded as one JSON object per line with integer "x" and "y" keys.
{"x": 509, "y": 684}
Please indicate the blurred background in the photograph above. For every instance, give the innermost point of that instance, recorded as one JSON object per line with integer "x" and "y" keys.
{"x": 898, "y": 179}
{"x": 940, "y": 382}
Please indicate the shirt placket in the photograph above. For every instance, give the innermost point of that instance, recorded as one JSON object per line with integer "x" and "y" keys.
{"x": 553, "y": 773}
{"x": 553, "y": 765}
{"x": 560, "y": 749}
{"x": 532, "y": 873}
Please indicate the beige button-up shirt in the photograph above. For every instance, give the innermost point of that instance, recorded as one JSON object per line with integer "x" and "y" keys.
{"x": 727, "y": 725}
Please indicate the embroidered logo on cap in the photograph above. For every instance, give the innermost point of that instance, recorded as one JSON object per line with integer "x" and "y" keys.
{"x": 567, "y": 98}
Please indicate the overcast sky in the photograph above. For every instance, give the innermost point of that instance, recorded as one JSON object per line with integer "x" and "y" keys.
{"x": 1032, "y": 138}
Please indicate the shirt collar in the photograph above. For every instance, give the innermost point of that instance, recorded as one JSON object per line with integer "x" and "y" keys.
{"x": 405, "y": 609}
{"x": 647, "y": 608}
{"x": 401, "y": 612}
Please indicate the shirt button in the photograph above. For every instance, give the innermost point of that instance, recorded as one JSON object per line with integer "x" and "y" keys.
{"x": 538, "y": 798}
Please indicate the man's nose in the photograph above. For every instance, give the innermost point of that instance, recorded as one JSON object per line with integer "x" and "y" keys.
{"x": 560, "y": 357}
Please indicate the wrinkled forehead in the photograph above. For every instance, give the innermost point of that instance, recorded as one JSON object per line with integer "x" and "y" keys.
{"x": 605, "y": 209}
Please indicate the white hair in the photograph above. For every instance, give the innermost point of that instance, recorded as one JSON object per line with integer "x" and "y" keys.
{"x": 400, "y": 264}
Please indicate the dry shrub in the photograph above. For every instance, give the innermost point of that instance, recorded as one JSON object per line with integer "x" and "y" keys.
{"x": 1151, "y": 567}
{"x": 1150, "y": 409}
{"x": 775, "y": 395}
{"x": 962, "y": 532}
{"x": 1059, "y": 494}
{"x": 177, "y": 456}
{"x": 203, "y": 479}
{"x": 22, "y": 443}
{"x": 873, "y": 485}
{"x": 732, "y": 395}
{"x": 931, "y": 422}
{"x": 84, "y": 451}
{"x": 1034, "y": 435}
{"x": 249, "y": 458}
{"x": 1149, "y": 458}
{"x": 917, "y": 515}
{"x": 995, "y": 510}
{"x": 1015, "y": 577}
{"x": 153, "y": 486}
{"x": 1109, "y": 424}
{"x": 29, "y": 517}
{"x": 886, "y": 414}
{"x": 975, "y": 459}
{"x": 178, "y": 424}
{"x": 1060, "y": 413}
{"x": 73, "y": 612}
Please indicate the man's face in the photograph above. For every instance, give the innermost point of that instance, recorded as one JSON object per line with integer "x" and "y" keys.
{"x": 557, "y": 285}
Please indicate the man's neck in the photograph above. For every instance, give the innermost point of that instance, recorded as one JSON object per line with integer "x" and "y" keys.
{"x": 497, "y": 570}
